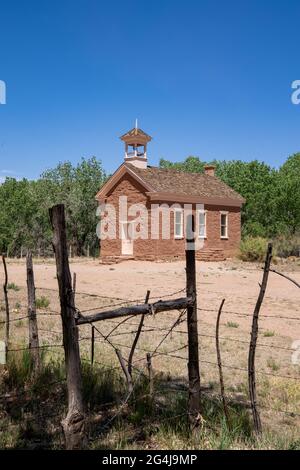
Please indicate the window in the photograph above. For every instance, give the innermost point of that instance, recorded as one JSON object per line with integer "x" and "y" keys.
{"x": 202, "y": 223}
{"x": 178, "y": 223}
{"x": 224, "y": 224}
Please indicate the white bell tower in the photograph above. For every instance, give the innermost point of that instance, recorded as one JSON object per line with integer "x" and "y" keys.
{"x": 136, "y": 142}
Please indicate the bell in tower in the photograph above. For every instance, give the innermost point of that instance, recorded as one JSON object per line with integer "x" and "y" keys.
{"x": 136, "y": 142}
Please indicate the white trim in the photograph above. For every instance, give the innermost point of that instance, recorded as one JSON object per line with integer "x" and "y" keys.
{"x": 178, "y": 210}
{"x": 224, "y": 237}
{"x": 202, "y": 211}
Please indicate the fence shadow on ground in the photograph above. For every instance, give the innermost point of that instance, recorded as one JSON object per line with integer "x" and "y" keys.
{"x": 34, "y": 408}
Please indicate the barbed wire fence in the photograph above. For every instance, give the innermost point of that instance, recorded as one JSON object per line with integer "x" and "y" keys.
{"x": 147, "y": 329}
{"x": 142, "y": 366}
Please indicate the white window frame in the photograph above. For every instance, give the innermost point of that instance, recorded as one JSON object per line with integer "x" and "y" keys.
{"x": 180, "y": 211}
{"x": 224, "y": 237}
{"x": 202, "y": 211}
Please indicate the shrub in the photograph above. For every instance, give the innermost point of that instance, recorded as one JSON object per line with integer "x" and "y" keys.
{"x": 269, "y": 334}
{"x": 232, "y": 324}
{"x": 272, "y": 364}
{"x": 286, "y": 246}
{"x": 13, "y": 286}
{"x": 42, "y": 302}
{"x": 253, "y": 249}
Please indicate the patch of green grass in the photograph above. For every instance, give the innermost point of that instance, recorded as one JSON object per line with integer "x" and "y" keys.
{"x": 19, "y": 323}
{"x": 13, "y": 286}
{"x": 163, "y": 420}
{"x": 19, "y": 365}
{"x": 272, "y": 364}
{"x": 42, "y": 302}
{"x": 20, "y": 371}
{"x": 232, "y": 324}
{"x": 17, "y": 305}
{"x": 294, "y": 445}
{"x": 8, "y": 434}
{"x": 100, "y": 385}
{"x": 269, "y": 334}
{"x": 139, "y": 421}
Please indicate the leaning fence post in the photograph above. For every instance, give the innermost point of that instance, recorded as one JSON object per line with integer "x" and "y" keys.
{"x": 220, "y": 365}
{"x": 138, "y": 333}
{"x": 125, "y": 370}
{"x": 193, "y": 347}
{"x": 32, "y": 320}
{"x": 252, "y": 348}
{"x": 74, "y": 423}
{"x": 7, "y": 320}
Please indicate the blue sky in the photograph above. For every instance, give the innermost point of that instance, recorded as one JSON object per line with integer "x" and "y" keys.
{"x": 208, "y": 78}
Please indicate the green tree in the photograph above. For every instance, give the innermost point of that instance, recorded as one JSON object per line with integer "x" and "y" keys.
{"x": 18, "y": 206}
{"x": 24, "y": 214}
{"x": 289, "y": 194}
{"x": 255, "y": 181}
{"x": 76, "y": 187}
{"x": 191, "y": 164}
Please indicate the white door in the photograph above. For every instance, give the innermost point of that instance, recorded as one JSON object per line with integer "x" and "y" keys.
{"x": 127, "y": 242}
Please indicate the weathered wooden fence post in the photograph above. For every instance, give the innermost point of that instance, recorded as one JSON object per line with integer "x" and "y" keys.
{"x": 7, "y": 319}
{"x": 32, "y": 320}
{"x": 74, "y": 285}
{"x": 138, "y": 333}
{"x": 252, "y": 348}
{"x": 222, "y": 388}
{"x": 74, "y": 423}
{"x": 194, "y": 404}
{"x": 150, "y": 374}
{"x": 93, "y": 345}
{"x": 125, "y": 370}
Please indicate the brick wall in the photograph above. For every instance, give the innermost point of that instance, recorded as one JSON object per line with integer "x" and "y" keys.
{"x": 171, "y": 248}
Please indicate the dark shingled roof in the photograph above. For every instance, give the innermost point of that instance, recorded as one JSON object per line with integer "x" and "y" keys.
{"x": 183, "y": 183}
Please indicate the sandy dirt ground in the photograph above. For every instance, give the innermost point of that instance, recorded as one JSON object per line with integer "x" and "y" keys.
{"x": 237, "y": 282}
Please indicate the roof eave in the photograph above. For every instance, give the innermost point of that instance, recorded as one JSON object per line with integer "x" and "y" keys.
{"x": 186, "y": 199}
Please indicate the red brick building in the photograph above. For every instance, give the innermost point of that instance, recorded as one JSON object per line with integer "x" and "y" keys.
{"x": 152, "y": 225}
